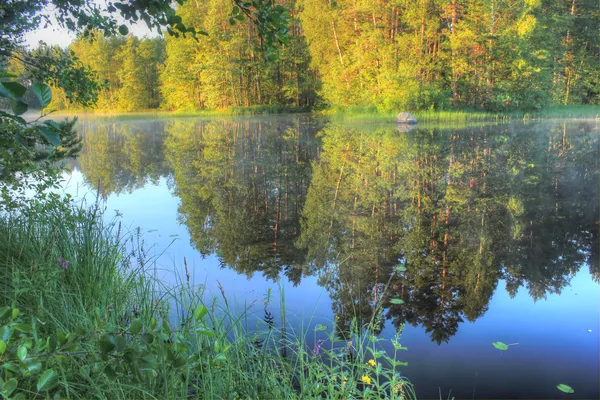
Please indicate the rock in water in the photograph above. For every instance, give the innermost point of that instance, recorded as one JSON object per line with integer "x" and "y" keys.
{"x": 406, "y": 118}
{"x": 405, "y": 128}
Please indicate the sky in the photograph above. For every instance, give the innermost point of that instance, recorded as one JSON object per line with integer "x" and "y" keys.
{"x": 55, "y": 35}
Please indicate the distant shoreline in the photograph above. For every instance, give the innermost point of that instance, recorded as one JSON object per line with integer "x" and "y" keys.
{"x": 557, "y": 112}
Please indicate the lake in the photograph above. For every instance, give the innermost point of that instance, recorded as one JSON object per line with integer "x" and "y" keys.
{"x": 496, "y": 224}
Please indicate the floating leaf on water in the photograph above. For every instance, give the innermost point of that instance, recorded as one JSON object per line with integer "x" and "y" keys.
{"x": 565, "y": 388}
{"x": 320, "y": 328}
{"x": 500, "y": 346}
{"x": 397, "y": 301}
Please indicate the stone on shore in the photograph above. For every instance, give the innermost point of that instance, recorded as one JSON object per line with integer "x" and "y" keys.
{"x": 406, "y": 118}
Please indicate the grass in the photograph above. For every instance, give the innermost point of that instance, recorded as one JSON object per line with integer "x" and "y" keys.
{"x": 102, "y": 327}
{"x": 463, "y": 116}
{"x": 366, "y": 114}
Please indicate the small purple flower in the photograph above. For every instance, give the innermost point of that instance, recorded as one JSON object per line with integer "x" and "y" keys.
{"x": 63, "y": 263}
{"x": 317, "y": 347}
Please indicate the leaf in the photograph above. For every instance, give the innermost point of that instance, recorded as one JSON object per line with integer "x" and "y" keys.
{"x": 34, "y": 368}
{"x": 206, "y": 332}
{"x": 5, "y": 333}
{"x": 5, "y": 312}
{"x": 500, "y": 346}
{"x": 136, "y": 326}
{"x": 2, "y": 347}
{"x": 50, "y": 135}
{"x": 320, "y": 328}
{"x": 200, "y": 312}
{"x": 43, "y": 93}
{"x": 18, "y": 107}
{"x": 120, "y": 343}
{"x": 52, "y": 343}
{"x": 401, "y": 268}
{"x": 107, "y": 343}
{"x": 22, "y": 353}
{"x": 9, "y": 387}
{"x": 565, "y": 388}
{"x": 110, "y": 372}
{"x": 179, "y": 362}
{"x": 52, "y": 124}
{"x": 47, "y": 381}
{"x": 148, "y": 338}
{"x": 24, "y": 328}
{"x": 11, "y": 367}
{"x": 14, "y": 89}
{"x": 13, "y": 117}
{"x": 397, "y": 301}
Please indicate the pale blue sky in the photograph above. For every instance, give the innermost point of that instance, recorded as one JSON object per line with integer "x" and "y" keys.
{"x": 55, "y": 35}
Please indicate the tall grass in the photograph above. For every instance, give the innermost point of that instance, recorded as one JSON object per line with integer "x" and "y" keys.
{"x": 122, "y": 333}
{"x": 465, "y": 115}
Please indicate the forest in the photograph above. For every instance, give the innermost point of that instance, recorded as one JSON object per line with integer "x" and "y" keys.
{"x": 383, "y": 56}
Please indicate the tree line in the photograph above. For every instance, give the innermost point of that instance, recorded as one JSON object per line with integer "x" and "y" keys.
{"x": 383, "y": 55}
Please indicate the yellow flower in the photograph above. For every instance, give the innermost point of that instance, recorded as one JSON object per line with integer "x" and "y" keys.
{"x": 366, "y": 379}
{"x": 372, "y": 363}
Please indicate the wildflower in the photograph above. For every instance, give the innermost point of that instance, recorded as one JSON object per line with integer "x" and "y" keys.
{"x": 63, "y": 263}
{"x": 366, "y": 379}
{"x": 372, "y": 363}
{"x": 317, "y": 347}
{"x": 398, "y": 387}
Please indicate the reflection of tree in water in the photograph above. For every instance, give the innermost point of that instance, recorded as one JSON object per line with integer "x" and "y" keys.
{"x": 121, "y": 157}
{"x": 461, "y": 208}
{"x": 242, "y": 187}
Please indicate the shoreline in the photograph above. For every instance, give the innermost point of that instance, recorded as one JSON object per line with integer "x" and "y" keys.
{"x": 561, "y": 112}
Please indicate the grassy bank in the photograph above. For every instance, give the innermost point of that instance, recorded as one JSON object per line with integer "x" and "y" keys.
{"x": 462, "y": 116}
{"x": 362, "y": 114}
{"x": 82, "y": 317}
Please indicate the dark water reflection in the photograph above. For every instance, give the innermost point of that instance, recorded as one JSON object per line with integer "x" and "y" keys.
{"x": 465, "y": 210}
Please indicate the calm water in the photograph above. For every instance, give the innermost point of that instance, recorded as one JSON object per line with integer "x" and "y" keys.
{"x": 497, "y": 226}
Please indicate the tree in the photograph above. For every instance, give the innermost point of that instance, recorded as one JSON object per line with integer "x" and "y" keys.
{"x": 65, "y": 71}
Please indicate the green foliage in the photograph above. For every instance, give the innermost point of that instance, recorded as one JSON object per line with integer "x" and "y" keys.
{"x": 565, "y": 388}
{"x": 94, "y": 324}
{"x": 500, "y": 346}
{"x": 27, "y": 147}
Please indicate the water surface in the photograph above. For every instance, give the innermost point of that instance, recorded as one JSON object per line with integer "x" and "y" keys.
{"x": 497, "y": 226}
